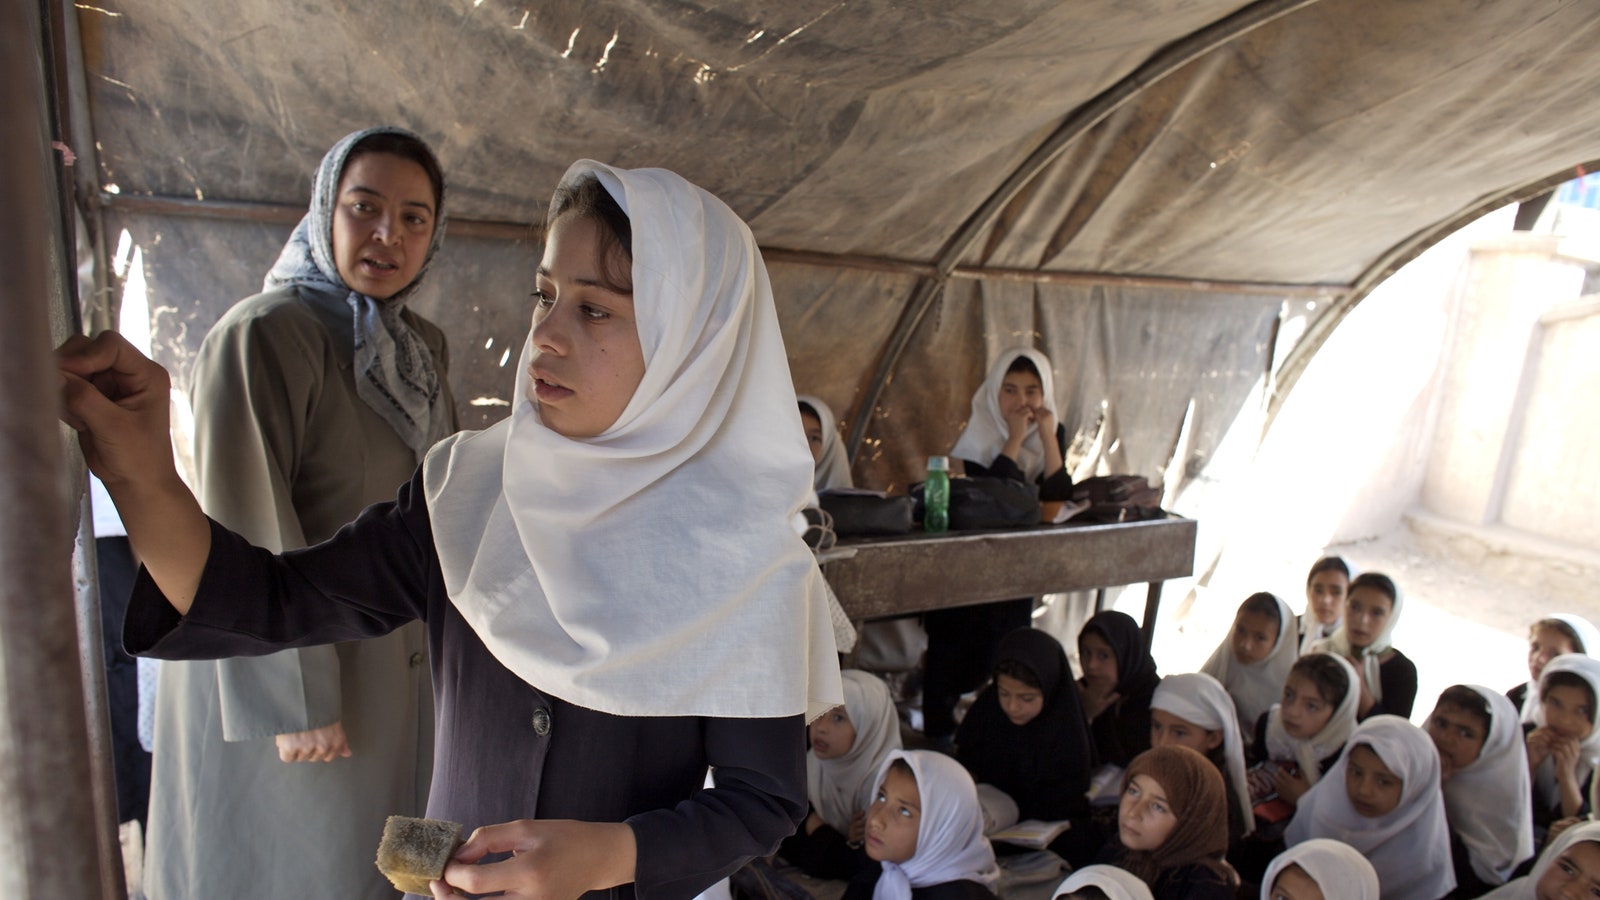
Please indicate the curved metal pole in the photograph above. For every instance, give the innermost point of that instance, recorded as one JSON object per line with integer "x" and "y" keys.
{"x": 45, "y": 775}
{"x": 1321, "y": 328}
{"x": 1167, "y": 60}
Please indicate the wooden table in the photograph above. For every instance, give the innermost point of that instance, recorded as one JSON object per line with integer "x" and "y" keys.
{"x": 892, "y": 576}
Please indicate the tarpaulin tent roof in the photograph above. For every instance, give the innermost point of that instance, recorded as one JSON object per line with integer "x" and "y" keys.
{"x": 1161, "y": 194}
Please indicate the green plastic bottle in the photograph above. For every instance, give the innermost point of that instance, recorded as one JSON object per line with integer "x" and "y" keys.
{"x": 936, "y": 495}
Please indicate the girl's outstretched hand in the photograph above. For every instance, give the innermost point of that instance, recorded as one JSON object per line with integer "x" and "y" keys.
{"x": 117, "y": 400}
{"x": 556, "y": 859}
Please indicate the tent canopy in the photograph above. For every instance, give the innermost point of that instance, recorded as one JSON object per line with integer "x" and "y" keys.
{"x": 1174, "y": 199}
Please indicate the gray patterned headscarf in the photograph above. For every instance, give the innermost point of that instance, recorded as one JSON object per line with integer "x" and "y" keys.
{"x": 395, "y": 374}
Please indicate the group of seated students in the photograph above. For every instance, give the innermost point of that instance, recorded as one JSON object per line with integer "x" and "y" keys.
{"x": 1287, "y": 765}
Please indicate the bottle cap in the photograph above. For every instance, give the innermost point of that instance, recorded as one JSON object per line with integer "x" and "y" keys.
{"x": 938, "y": 464}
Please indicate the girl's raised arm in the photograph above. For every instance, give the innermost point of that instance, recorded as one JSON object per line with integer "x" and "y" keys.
{"x": 116, "y": 399}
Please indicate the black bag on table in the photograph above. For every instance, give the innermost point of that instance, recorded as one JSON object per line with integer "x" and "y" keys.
{"x": 862, "y": 513}
{"x": 987, "y": 503}
{"x": 1117, "y": 498}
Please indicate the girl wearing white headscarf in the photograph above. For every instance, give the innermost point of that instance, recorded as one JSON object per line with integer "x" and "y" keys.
{"x": 951, "y": 858}
{"x": 832, "y": 465}
{"x": 1319, "y": 696}
{"x": 1486, "y": 793}
{"x": 614, "y": 597}
{"x": 1340, "y": 872}
{"x": 1254, "y": 659}
{"x": 1012, "y": 432}
{"x": 1549, "y": 879}
{"x": 1115, "y": 882}
{"x": 1200, "y": 701}
{"x": 840, "y": 777}
{"x": 1366, "y": 638}
{"x": 1409, "y": 844}
{"x": 1548, "y": 638}
{"x": 1327, "y": 585}
{"x": 1564, "y": 741}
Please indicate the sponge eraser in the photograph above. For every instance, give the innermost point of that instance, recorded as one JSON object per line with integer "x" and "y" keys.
{"x": 413, "y": 852}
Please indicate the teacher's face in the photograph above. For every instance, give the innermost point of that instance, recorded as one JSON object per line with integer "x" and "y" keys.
{"x": 383, "y": 220}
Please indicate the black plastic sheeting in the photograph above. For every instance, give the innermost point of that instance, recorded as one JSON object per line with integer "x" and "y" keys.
{"x": 1297, "y": 154}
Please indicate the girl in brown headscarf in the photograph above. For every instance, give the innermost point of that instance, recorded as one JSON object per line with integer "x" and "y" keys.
{"x": 1172, "y": 826}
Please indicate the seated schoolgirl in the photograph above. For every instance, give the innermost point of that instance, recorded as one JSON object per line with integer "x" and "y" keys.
{"x": 1563, "y": 740}
{"x": 1026, "y": 735}
{"x": 1102, "y": 882}
{"x": 1383, "y": 798}
{"x": 1485, "y": 770}
{"x": 1549, "y": 638}
{"x": 832, "y": 466}
{"x": 1254, "y": 659}
{"x": 1011, "y": 432}
{"x": 1119, "y": 679}
{"x": 1193, "y": 710}
{"x": 1320, "y": 869}
{"x": 1172, "y": 826}
{"x": 1569, "y": 867}
{"x": 848, "y": 746}
{"x": 1327, "y": 585}
{"x": 925, "y": 828}
{"x": 1388, "y": 678}
{"x": 653, "y": 380}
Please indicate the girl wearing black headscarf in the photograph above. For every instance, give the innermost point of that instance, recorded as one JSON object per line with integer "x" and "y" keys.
{"x": 1119, "y": 680}
{"x": 1027, "y": 736}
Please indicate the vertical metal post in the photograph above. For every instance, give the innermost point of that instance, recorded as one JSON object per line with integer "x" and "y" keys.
{"x": 45, "y": 777}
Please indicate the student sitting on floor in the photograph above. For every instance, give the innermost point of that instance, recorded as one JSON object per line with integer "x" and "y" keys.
{"x": 926, "y": 829}
{"x": 1388, "y": 677}
{"x": 1119, "y": 678}
{"x": 1320, "y": 869}
{"x": 1172, "y": 826}
{"x": 1102, "y": 882}
{"x": 1194, "y": 711}
{"x": 1327, "y": 586}
{"x": 1486, "y": 795}
{"x": 1569, "y": 867}
{"x": 1549, "y": 638}
{"x": 1254, "y": 659}
{"x": 1563, "y": 740}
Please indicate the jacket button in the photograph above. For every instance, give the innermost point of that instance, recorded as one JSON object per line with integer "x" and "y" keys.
{"x": 416, "y": 660}
{"x": 541, "y": 721}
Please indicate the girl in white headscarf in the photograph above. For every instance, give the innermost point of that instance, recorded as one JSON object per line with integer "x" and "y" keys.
{"x": 1193, "y": 710}
{"x": 925, "y": 828}
{"x": 1485, "y": 770}
{"x": 1383, "y": 798}
{"x": 848, "y": 746}
{"x": 1327, "y": 585}
{"x": 1366, "y": 638}
{"x": 1254, "y": 659}
{"x": 1564, "y": 742}
{"x": 1113, "y": 883}
{"x": 822, "y": 435}
{"x": 1334, "y": 870}
{"x": 614, "y": 596}
{"x": 1549, "y": 638}
{"x": 1570, "y": 866}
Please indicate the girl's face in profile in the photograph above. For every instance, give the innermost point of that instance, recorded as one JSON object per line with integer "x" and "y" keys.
{"x": 1294, "y": 884}
{"x": 1545, "y": 644}
{"x": 383, "y": 219}
{"x": 1373, "y": 787}
{"x": 587, "y": 361}
{"x": 1167, "y": 729}
{"x": 1254, "y": 636}
{"x": 1575, "y": 873}
{"x": 1019, "y": 389}
{"x": 833, "y": 735}
{"x": 894, "y": 818}
{"x": 1144, "y": 817}
{"x": 1368, "y": 612}
{"x": 1325, "y": 595}
{"x": 1305, "y": 711}
{"x": 813, "y": 427}
{"x": 1099, "y": 661}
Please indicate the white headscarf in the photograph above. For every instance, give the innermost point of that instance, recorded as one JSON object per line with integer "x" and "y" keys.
{"x": 1336, "y": 867}
{"x": 985, "y": 435}
{"x": 833, "y": 467}
{"x": 1309, "y": 754}
{"x": 1340, "y": 644}
{"x": 1254, "y": 688}
{"x": 393, "y": 367}
{"x": 1408, "y": 846}
{"x": 841, "y": 787}
{"x": 1525, "y": 888}
{"x": 950, "y": 841}
{"x": 1117, "y": 883}
{"x": 1199, "y": 699}
{"x": 1587, "y": 668}
{"x": 1588, "y": 636}
{"x": 1488, "y": 801}
{"x": 651, "y": 570}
